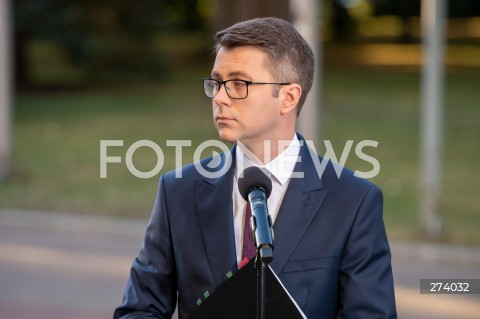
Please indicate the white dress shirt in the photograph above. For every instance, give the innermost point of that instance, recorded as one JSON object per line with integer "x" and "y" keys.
{"x": 280, "y": 169}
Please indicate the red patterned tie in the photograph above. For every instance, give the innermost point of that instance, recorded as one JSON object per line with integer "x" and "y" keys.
{"x": 249, "y": 250}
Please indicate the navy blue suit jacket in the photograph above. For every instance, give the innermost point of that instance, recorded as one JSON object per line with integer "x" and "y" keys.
{"x": 331, "y": 250}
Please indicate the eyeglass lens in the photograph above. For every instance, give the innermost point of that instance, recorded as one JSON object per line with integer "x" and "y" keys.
{"x": 235, "y": 89}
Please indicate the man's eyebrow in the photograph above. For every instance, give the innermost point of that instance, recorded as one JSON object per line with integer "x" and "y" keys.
{"x": 215, "y": 74}
{"x": 239, "y": 73}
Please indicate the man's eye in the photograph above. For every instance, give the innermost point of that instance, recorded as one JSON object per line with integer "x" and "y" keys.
{"x": 240, "y": 84}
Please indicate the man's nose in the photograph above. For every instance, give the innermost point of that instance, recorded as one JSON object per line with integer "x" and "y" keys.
{"x": 222, "y": 96}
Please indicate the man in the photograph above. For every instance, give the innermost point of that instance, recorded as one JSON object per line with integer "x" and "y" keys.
{"x": 330, "y": 247}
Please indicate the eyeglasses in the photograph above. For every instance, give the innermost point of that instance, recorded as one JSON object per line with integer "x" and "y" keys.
{"x": 236, "y": 89}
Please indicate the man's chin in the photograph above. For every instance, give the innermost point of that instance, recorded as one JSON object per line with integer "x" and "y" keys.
{"x": 226, "y": 137}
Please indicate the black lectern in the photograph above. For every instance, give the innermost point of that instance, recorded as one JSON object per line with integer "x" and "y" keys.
{"x": 236, "y": 298}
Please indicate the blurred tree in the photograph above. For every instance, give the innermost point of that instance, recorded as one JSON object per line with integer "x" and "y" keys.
{"x": 56, "y": 20}
{"x": 107, "y": 37}
{"x": 228, "y": 12}
{"x": 463, "y": 8}
{"x": 119, "y": 37}
{"x": 406, "y": 9}
{"x": 342, "y": 22}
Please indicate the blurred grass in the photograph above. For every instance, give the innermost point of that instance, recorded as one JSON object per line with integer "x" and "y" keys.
{"x": 384, "y": 106}
{"x": 57, "y": 139}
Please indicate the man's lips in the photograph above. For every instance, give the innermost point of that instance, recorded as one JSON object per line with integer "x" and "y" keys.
{"x": 223, "y": 119}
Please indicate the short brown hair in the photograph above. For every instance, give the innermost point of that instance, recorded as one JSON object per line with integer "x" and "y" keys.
{"x": 289, "y": 57}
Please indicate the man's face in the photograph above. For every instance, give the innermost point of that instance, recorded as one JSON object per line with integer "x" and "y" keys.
{"x": 255, "y": 118}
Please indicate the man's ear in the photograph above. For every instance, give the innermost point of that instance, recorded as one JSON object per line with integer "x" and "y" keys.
{"x": 290, "y": 94}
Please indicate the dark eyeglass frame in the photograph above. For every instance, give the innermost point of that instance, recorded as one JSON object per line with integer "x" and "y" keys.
{"x": 247, "y": 83}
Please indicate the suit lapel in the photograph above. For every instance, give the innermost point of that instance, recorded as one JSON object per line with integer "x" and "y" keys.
{"x": 214, "y": 208}
{"x": 300, "y": 204}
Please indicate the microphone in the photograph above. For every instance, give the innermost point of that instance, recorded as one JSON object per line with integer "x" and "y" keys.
{"x": 255, "y": 187}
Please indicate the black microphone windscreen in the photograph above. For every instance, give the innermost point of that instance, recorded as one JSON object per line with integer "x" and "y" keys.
{"x": 253, "y": 177}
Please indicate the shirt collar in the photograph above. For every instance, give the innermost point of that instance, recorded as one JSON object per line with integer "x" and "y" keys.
{"x": 280, "y": 167}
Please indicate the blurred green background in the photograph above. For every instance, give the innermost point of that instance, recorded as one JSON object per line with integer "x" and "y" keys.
{"x": 121, "y": 70}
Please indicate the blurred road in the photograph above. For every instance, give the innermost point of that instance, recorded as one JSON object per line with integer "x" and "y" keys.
{"x": 71, "y": 266}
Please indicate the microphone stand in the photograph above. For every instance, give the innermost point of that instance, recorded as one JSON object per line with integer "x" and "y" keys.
{"x": 264, "y": 257}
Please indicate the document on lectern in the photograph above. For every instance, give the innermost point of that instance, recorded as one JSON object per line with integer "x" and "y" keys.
{"x": 236, "y": 298}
